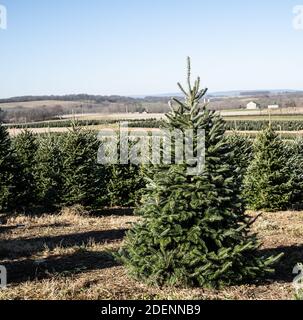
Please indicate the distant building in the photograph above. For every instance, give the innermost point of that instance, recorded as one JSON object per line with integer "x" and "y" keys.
{"x": 273, "y": 106}
{"x": 252, "y": 106}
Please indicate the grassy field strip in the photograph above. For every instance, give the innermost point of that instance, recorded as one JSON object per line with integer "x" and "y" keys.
{"x": 265, "y": 118}
{"x": 117, "y": 116}
{"x": 38, "y": 104}
{"x": 264, "y": 112}
{"x": 15, "y": 132}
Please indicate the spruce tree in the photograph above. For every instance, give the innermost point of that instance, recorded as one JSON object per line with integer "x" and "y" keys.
{"x": 243, "y": 149}
{"x": 193, "y": 230}
{"x": 1, "y": 115}
{"x": 241, "y": 157}
{"x": 49, "y": 167}
{"x": 25, "y": 145}
{"x": 294, "y": 155}
{"x": 82, "y": 176}
{"x": 8, "y": 172}
{"x": 124, "y": 185}
{"x": 268, "y": 183}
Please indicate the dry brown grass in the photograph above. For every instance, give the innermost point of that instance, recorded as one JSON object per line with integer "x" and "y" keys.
{"x": 67, "y": 256}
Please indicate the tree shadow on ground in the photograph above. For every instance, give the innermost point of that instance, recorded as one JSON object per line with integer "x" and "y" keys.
{"x": 82, "y": 261}
{"x": 24, "y": 247}
{"x": 292, "y": 255}
{"x": 4, "y": 229}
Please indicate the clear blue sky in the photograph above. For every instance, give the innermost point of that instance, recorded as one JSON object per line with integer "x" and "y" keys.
{"x": 131, "y": 47}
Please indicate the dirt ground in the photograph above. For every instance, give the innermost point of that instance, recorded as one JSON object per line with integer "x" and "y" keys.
{"x": 67, "y": 256}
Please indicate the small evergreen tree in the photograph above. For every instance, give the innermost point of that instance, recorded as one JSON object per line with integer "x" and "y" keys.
{"x": 193, "y": 229}
{"x": 1, "y": 115}
{"x": 8, "y": 172}
{"x": 294, "y": 154}
{"x": 241, "y": 157}
{"x": 26, "y": 146}
{"x": 49, "y": 167}
{"x": 242, "y": 148}
{"x": 124, "y": 186}
{"x": 82, "y": 176}
{"x": 268, "y": 183}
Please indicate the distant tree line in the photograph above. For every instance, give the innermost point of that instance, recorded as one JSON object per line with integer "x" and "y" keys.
{"x": 21, "y": 114}
{"x": 85, "y": 97}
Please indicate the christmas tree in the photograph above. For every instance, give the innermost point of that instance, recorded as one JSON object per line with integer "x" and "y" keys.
{"x": 268, "y": 183}
{"x": 8, "y": 172}
{"x": 82, "y": 176}
{"x": 241, "y": 147}
{"x": 193, "y": 230}
{"x": 25, "y": 145}
{"x": 49, "y": 166}
{"x": 124, "y": 185}
{"x": 294, "y": 154}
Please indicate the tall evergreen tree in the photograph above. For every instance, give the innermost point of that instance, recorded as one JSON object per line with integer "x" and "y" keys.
{"x": 8, "y": 172}
{"x": 193, "y": 229}
{"x": 268, "y": 183}
{"x": 82, "y": 176}
{"x": 26, "y": 146}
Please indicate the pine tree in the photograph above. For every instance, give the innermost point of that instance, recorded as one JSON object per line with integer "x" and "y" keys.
{"x": 124, "y": 186}
{"x": 242, "y": 155}
{"x": 294, "y": 154}
{"x": 268, "y": 183}
{"x": 49, "y": 167}
{"x": 8, "y": 172}
{"x": 193, "y": 229}
{"x": 25, "y": 145}
{"x": 1, "y": 115}
{"x": 82, "y": 176}
{"x": 242, "y": 147}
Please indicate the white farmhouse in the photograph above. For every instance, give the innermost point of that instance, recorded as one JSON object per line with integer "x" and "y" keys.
{"x": 252, "y": 106}
{"x": 273, "y": 106}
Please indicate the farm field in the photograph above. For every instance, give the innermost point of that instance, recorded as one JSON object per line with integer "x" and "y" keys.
{"x": 293, "y": 117}
{"x": 281, "y": 114}
{"x": 263, "y": 112}
{"x": 15, "y": 132}
{"x": 104, "y": 117}
{"x": 38, "y": 104}
{"x": 68, "y": 256}
{"x": 115, "y": 116}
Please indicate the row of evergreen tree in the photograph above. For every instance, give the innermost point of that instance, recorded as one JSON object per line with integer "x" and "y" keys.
{"x": 51, "y": 171}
